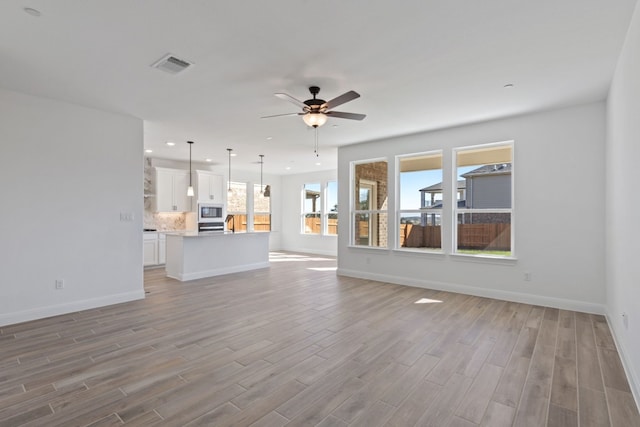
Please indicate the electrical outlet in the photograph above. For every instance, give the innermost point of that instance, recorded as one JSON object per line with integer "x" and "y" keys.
{"x": 59, "y": 283}
{"x": 126, "y": 216}
{"x": 527, "y": 276}
{"x": 625, "y": 320}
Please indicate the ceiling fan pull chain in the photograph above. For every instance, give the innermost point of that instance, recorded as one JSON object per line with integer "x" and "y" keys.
{"x": 315, "y": 150}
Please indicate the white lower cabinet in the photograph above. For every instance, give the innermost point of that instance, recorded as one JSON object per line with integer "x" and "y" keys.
{"x": 162, "y": 248}
{"x": 149, "y": 249}
{"x": 154, "y": 247}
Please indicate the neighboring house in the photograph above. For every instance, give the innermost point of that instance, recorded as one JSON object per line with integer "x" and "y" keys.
{"x": 486, "y": 187}
{"x": 489, "y": 187}
{"x": 434, "y": 192}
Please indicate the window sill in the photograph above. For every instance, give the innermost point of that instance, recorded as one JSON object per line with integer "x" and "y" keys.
{"x": 368, "y": 248}
{"x": 485, "y": 259}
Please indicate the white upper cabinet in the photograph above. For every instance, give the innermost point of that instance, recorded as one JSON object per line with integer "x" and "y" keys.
{"x": 210, "y": 187}
{"x": 171, "y": 190}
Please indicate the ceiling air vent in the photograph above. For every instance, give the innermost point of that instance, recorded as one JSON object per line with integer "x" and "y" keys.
{"x": 171, "y": 64}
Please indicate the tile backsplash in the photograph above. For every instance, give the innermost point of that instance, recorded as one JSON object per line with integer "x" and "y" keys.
{"x": 162, "y": 221}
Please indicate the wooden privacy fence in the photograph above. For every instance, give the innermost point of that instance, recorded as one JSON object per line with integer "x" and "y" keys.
{"x": 418, "y": 236}
{"x": 495, "y": 237}
{"x": 313, "y": 225}
{"x": 261, "y": 222}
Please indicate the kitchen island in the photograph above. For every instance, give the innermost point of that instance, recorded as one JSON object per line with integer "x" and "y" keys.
{"x": 194, "y": 255}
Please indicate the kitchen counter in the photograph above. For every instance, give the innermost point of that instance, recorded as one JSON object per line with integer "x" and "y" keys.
{"x": 195, "y": 255}
{"x": 207, "y": 233}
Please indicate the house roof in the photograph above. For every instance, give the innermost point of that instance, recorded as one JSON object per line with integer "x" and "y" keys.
{"x": 437, "y": 188}
{"x": 495, "y": 169}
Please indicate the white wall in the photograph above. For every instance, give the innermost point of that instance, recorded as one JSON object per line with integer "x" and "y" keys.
{"x": 558, "y": 206}
{"x": 243, "y": 175}
{"x": 66, "y": 174}
{"x": 623, "y": 204}
{"x": 292, "y": 239}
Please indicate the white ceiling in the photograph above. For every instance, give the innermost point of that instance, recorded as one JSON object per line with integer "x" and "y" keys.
{"x": 418, "y": 65}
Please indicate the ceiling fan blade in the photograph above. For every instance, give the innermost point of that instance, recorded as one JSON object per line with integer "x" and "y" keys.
{"x": 342, "y": 115}
{"x": 280, "y": 115}
{"x": 345, "y": 97}
{"x": 291, "y": 99}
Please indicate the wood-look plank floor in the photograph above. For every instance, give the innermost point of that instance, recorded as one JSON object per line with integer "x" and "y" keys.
{"x": 296, "y": 345}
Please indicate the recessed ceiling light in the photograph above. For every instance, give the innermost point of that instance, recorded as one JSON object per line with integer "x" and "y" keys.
{"x": 171, "y": 144}
{"x": 208, "y": 160}
{"x": 148, "y": 151}
{"x": 269, "y": 138}
{"x": 509, "y": 86}
{"x": 288, "y": 168}
{"x": 31, "y": 11}
{"x": 334, "y": 126}
{"x": 318, "y": 164}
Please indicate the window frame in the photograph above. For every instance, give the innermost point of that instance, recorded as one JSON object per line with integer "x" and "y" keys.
{"x": 304, "y": 212}
{"x": 353, "y": 204}
{"x": 238, "y": 224}
{"x": 457, "y": 211}
{"x": 256, "y": 212}
{"x": 429, "y": 211}
{"x": 326, "y": 209}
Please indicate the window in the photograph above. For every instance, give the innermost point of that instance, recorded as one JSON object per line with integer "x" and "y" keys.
{"x": 331, "y": 211}
{"x": 369, "y": 203}
{"x": 237, "y": 206}
{"x": 420, "y": 201}
{"x": 311, "y": 210}
{"x": 484, "y": 209}
{"x": 261, "y": 209}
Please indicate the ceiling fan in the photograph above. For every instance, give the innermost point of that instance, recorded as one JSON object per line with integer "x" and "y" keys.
{"x": 315, "y": 111}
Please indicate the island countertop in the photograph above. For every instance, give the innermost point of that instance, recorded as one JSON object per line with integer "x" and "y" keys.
{"x": 212, "y": 233}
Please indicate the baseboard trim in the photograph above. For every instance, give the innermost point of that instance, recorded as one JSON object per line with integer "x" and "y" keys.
{"x": 565, "y": 304}
{"x": 632, "y": 375}
{"x": 70, "y": 307}
{"x": 183, "y": 277}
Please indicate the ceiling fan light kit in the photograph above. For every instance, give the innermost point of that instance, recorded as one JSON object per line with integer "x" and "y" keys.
{"x": 315, "y": 119}
{"x": 315, "y": 111}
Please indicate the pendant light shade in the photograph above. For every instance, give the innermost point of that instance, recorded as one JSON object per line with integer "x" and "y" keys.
{"x": 190, "y": 188}
{"x": 261, "y": 163}
{"x": 229, "y": 181}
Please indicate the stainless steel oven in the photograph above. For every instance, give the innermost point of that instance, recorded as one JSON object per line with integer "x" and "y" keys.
{"x": 211, "y": 226}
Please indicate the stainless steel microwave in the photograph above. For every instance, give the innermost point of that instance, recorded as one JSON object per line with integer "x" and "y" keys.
{"x": 211, "y": 212}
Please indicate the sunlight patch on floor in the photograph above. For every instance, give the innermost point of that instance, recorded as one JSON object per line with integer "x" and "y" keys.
{"x": 323, "y": 268}
{"x": 427, "y": 301}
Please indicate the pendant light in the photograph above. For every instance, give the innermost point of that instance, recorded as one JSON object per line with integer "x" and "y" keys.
{"x": 190, "y": 189}
{"x": 261, "y": 163}
{"x": 229, "y": 181}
